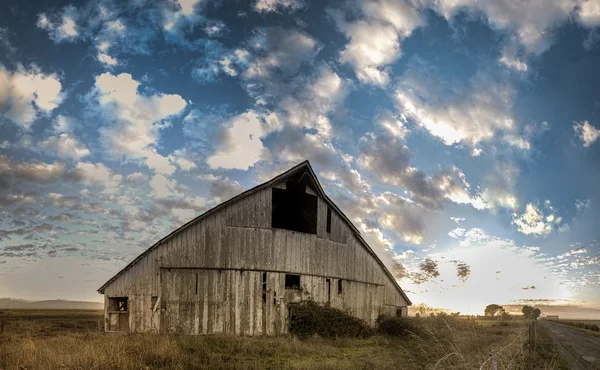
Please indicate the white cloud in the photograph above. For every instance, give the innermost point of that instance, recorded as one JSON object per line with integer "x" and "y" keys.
{"x": 63, "y": 28}
{"x": 180, "y": 12}
{"x": 586, "y": 132}
{"x": 474, "y": 114}
{"x": 375, "y": 40}
{"x": 589, "y": 13}
{"x": 65, "y": 145}
{"x": 531, "y": 22}
{"x": 107, "y": 59}
{"x": 510, "y": 59}
{"x": 135, "y": 119}
{"x": 393, "y": 124}
{"x": 97, "y": 174}
{"x": 25, "y": 94}
{"x": 164, "y": 187}
{"x": 535, "y": 222}
{"x": 136, "y": 178}
{"x": 277, "y": 5}
{"x": 283, "y": 51}
{"x": 312, "y": 104}
{"x": 182, "y": 160}
{"x": 486, "y": 255}
{"x": 241, "y": 146}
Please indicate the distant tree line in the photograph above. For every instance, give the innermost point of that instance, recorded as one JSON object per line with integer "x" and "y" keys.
{"x": 499, "y": 311}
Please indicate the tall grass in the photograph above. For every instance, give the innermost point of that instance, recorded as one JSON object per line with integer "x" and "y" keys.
{"x": 438, "y": 343}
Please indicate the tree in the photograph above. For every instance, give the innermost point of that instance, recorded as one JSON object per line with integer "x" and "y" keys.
{"x": 531, "y": 312}
{"x": 493, "y": 309}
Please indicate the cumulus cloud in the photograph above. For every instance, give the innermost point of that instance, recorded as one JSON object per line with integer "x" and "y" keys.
{"x": 65, "y": 145}
{"x": 134, "y": 119}
{"x": 25, "y": 94}
{"x": 278, "y": 54}
{"x": 267, "y": 6}
{"x": 96, "y": 174}
{"x": 221, "y": 187}
{"x": 389, "y": 160}
{"x": 586, "y": 133}
{"x": 61, "y": 27}
{"x": 531, "y": 23}
{"x": 240, "y": 145}
{"x": 375, "y": 38}
{"x": 534, "y": 221}
{"x": 472, "y": 114}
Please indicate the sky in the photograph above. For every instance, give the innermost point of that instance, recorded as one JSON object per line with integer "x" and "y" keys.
{"x": 461, "y": 137}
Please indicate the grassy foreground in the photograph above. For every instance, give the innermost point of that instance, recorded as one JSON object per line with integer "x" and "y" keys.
{"x": 447, "y": 344}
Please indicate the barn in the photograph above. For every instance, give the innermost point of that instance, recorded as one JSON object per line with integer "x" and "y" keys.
{"x": 237, "y": 268}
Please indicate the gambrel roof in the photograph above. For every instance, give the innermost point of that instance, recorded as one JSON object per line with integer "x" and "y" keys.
{"x": 302, "y": 167}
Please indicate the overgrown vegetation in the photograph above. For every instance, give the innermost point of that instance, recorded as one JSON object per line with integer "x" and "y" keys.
{"x": 399, "y": 326}
{"x": 434, "y": 343}
{"x": 545, "y": 351}
{"x": 309, "y": 319}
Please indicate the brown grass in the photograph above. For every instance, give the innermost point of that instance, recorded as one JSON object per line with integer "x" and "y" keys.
{"x": 444, "y": 343}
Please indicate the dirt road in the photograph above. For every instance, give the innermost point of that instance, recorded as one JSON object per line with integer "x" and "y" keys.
{"x": 581, "y": 350}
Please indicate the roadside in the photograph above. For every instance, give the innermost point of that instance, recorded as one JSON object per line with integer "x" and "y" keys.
{"x": 581, "y": 350}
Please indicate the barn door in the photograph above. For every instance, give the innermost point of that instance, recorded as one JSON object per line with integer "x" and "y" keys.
{"x": 179, "y": 301}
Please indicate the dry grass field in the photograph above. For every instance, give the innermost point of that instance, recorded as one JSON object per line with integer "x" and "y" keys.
{"x": 71, "y": 340}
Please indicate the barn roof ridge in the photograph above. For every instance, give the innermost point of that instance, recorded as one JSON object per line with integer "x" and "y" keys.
{"x": 305, "y": 165}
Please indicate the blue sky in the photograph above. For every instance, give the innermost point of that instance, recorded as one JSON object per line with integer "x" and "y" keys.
{"x": 461, "y": 137}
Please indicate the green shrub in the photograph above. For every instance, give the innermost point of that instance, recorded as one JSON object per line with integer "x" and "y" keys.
{"x": 397, "y": 326}
{"x": 309, "y": 318}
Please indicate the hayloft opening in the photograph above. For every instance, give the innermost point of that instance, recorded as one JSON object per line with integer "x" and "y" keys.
{"x": 292, "y": 281}
{"x": 294, "y": 209}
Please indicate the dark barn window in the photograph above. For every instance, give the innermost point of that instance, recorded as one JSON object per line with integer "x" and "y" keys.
{"x": 294, "y": 210}
{"x": 398, "y": 312}
{"x": 340, "y": 286}
{"x": 292, "y": 281}
{"x": 328, "y": 290}
{"x": 328, "y": 219}
{"x": 117, "y": 304}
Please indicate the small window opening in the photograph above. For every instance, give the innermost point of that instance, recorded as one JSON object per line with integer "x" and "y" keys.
{"x": 292, "y": 281}
{"x": 295, "y": 210}
{"x": 117, "y": 304}
{"x": 196, "y": 283}
{"x": 328, "y": 290}
{"x": 274, "y": 298}
{"x": 399, "y": 312}
{"x": 340, "y": 286}
{"x": 328, "y": 219}
{"x": 264, "y": 288}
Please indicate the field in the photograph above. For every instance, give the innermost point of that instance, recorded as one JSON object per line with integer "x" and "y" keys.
{"x": 71, "y": 340}
{"x": 591, "y": 327}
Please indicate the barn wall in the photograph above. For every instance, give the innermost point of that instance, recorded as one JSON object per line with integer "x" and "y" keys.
{"x": 239, "y": 241}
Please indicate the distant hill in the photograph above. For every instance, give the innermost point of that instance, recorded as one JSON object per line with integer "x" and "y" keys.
{"x": 55, "y": 304}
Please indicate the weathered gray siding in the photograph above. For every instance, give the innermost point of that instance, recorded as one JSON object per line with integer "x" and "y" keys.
{"x": 229, "y": 250}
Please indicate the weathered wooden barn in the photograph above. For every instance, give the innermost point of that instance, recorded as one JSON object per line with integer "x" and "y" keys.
{"x": 236, "y": 268}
